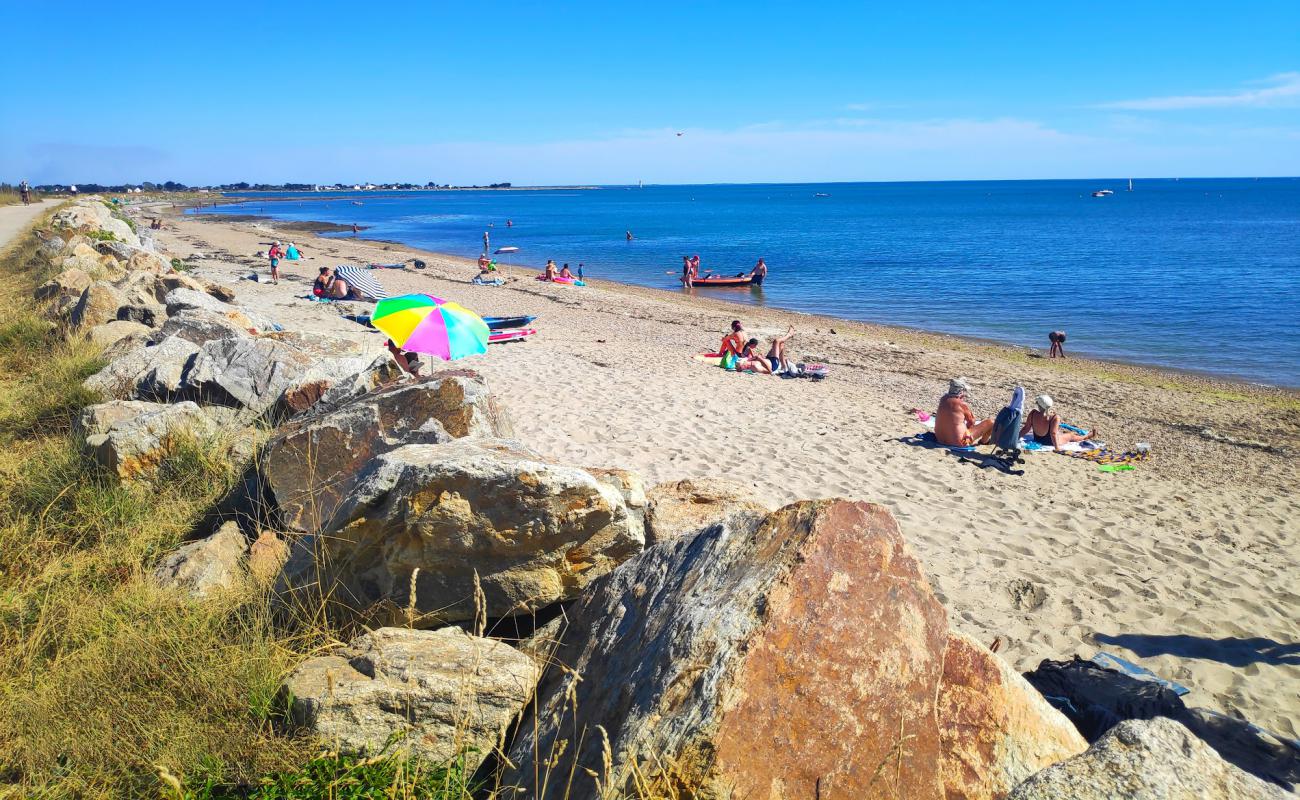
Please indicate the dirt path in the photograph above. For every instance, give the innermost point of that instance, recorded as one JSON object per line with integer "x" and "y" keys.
{"x": 15, "y": 219}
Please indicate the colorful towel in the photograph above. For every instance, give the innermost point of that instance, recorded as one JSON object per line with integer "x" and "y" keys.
{"x": 1103, "y": 455}
{"x": 929, "y": 436}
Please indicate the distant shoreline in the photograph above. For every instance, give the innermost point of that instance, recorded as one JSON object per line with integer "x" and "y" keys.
{"x": 1135, "y": 370}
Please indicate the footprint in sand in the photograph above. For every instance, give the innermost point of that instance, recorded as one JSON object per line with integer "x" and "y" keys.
{"x": 1025, "y": 595}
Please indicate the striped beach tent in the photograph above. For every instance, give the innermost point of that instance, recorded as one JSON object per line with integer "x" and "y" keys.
{"x": 361, "y": 281}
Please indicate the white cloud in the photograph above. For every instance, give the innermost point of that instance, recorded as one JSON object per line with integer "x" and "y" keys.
{"x": 1280, "y": 90}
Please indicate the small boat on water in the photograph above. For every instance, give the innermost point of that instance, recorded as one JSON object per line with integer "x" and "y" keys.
{"x": 740, "y": 279}
{"x": 821, "y": 194}
{"x": 356, "y": 202}
{"x": 1130, "y": 184}
{"x": 501, "y": 250}
{"x": 1102, "y": 193}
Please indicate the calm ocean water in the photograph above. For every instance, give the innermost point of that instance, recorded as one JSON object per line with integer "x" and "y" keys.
{"x": 1195, "y": 274}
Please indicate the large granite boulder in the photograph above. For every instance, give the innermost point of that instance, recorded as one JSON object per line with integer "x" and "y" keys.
{"x": 534, "y": 532}
{"x": 686, "y": 507}
{"x": 97, "y": 265}
{"x": 206, "y": 565}
{"x": 1156, "y": 759}
{"x": 201, "y": 326}
{"x": 183, "y": 299}
{"x": 110, "y": 333}
{"x": 143, "y": 373}
{"x": 802, "y": 655}
{"x": 68, "y": 283}
{"x": 313, "y": 462}
{"x": 98, "y": 304}
{"x": 447, "y": 691}
{"x": 131, "y": 437}
{"x": 145, "y": 261}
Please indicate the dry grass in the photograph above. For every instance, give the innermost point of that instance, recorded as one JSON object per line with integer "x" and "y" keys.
{"x": 105, "y": 677}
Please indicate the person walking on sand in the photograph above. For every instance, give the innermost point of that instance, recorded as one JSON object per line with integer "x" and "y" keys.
{"x": 1057, "y": 338}
{"x": 954, "y": 423}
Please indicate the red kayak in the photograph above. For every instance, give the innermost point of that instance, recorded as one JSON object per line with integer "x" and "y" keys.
{"x": 744, "y": 279}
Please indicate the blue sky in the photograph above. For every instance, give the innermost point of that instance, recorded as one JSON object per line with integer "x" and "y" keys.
{"x": 590, "y": 92}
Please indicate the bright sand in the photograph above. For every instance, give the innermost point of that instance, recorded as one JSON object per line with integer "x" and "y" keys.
{"x": 1187, "y": 564}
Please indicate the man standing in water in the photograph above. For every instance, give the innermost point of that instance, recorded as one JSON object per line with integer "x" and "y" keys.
{"x": 759, "y": 272}
{"x": 486, "y": 243}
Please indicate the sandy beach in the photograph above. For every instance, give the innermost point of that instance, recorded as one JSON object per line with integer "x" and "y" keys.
{"x": 1186, "y": 565}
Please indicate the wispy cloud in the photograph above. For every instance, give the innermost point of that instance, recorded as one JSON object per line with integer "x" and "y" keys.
{"x": 1276, "y": 91}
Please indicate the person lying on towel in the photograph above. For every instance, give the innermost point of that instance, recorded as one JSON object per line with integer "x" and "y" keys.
{"x": 1045, "y": 424}
{"x": 954, "y": 423}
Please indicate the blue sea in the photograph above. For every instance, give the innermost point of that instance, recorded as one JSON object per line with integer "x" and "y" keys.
{"x": 1197, "y": 274}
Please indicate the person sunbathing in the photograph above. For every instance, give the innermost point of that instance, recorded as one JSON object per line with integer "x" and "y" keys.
{"x": 331, "y": 286}
{"x": 565, "y": 273}
{"x": 549, "y": 273}
{"x": 954, "y": 423}
{"x": 1045, "y": 425}
{"x": 776, "y": 353}
{"x": 407, "y": 360}
{"x": 750, "y": 359}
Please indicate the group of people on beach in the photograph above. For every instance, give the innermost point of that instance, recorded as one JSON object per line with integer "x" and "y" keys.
{"x": 330, "y": 286}
{"x": 691, "y": 271}
{"x": 745, "y": 351}
{"x": 550, "y": 273}
{"x": 955, "y": 424}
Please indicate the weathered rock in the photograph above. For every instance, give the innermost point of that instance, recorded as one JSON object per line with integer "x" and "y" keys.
{"x": 313, "y": 462}
{"x": 686, "y": 507}
{"x": 223, "y": 293}
{"x": 182, "y": 299}
{"x": 111, "y": 333}
{"x": 149, "y": 316}
{"x": 143, "y": 373}
{"x": 1156, "y": 759}
{"x": 246, "y": 372}
{"x": 98, "y": 266}
{"x": 995, "y": 728}
{"x": 206, "y": 565}
{"x": 145, "y": 261}
{"x": 118, "y": 250}
{"x": 130, "y": 437}
{"x": 535, "y": 532}
{"x": 800, "y": 656}
{"x": 266, "y": 556}
{"x": 51, "y": 246}
{"x": 98, "y": 304}
{"x": 177, "y": 280}
{"x": 68, "y": 283}
{"x": 447, "y": 690}
{"x": 202, "y": 326}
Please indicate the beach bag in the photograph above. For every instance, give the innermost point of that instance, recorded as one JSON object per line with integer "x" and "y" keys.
{"x": 1007, "y": 424}
{"x": 729, "y": 361}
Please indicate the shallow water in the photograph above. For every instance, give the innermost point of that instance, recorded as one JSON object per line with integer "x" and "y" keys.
{"x": 1196, "y": 274}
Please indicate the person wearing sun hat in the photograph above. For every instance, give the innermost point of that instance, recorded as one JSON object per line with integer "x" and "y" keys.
{"x": 1045, "y": 424}
{"x": 954, "y": 422}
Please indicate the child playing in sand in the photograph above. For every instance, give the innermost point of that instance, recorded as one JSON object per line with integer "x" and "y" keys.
{"x": 1046, "y": 425}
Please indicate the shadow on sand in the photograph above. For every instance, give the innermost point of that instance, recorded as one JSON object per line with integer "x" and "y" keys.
{"x": 1233, "y": 651}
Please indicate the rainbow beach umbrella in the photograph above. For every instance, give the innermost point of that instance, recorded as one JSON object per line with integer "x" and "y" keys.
{"x": 423, "y": 323}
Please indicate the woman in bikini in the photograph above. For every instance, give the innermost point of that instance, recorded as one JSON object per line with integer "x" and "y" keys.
{"x": 776, "y": 353}
{"x": 1046, "y": 425}
{"x": 733, "y": 342}
{"x": 750, "y": 359}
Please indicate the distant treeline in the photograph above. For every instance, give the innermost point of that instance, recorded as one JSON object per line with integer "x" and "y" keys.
{"x": 242, "y": 186}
